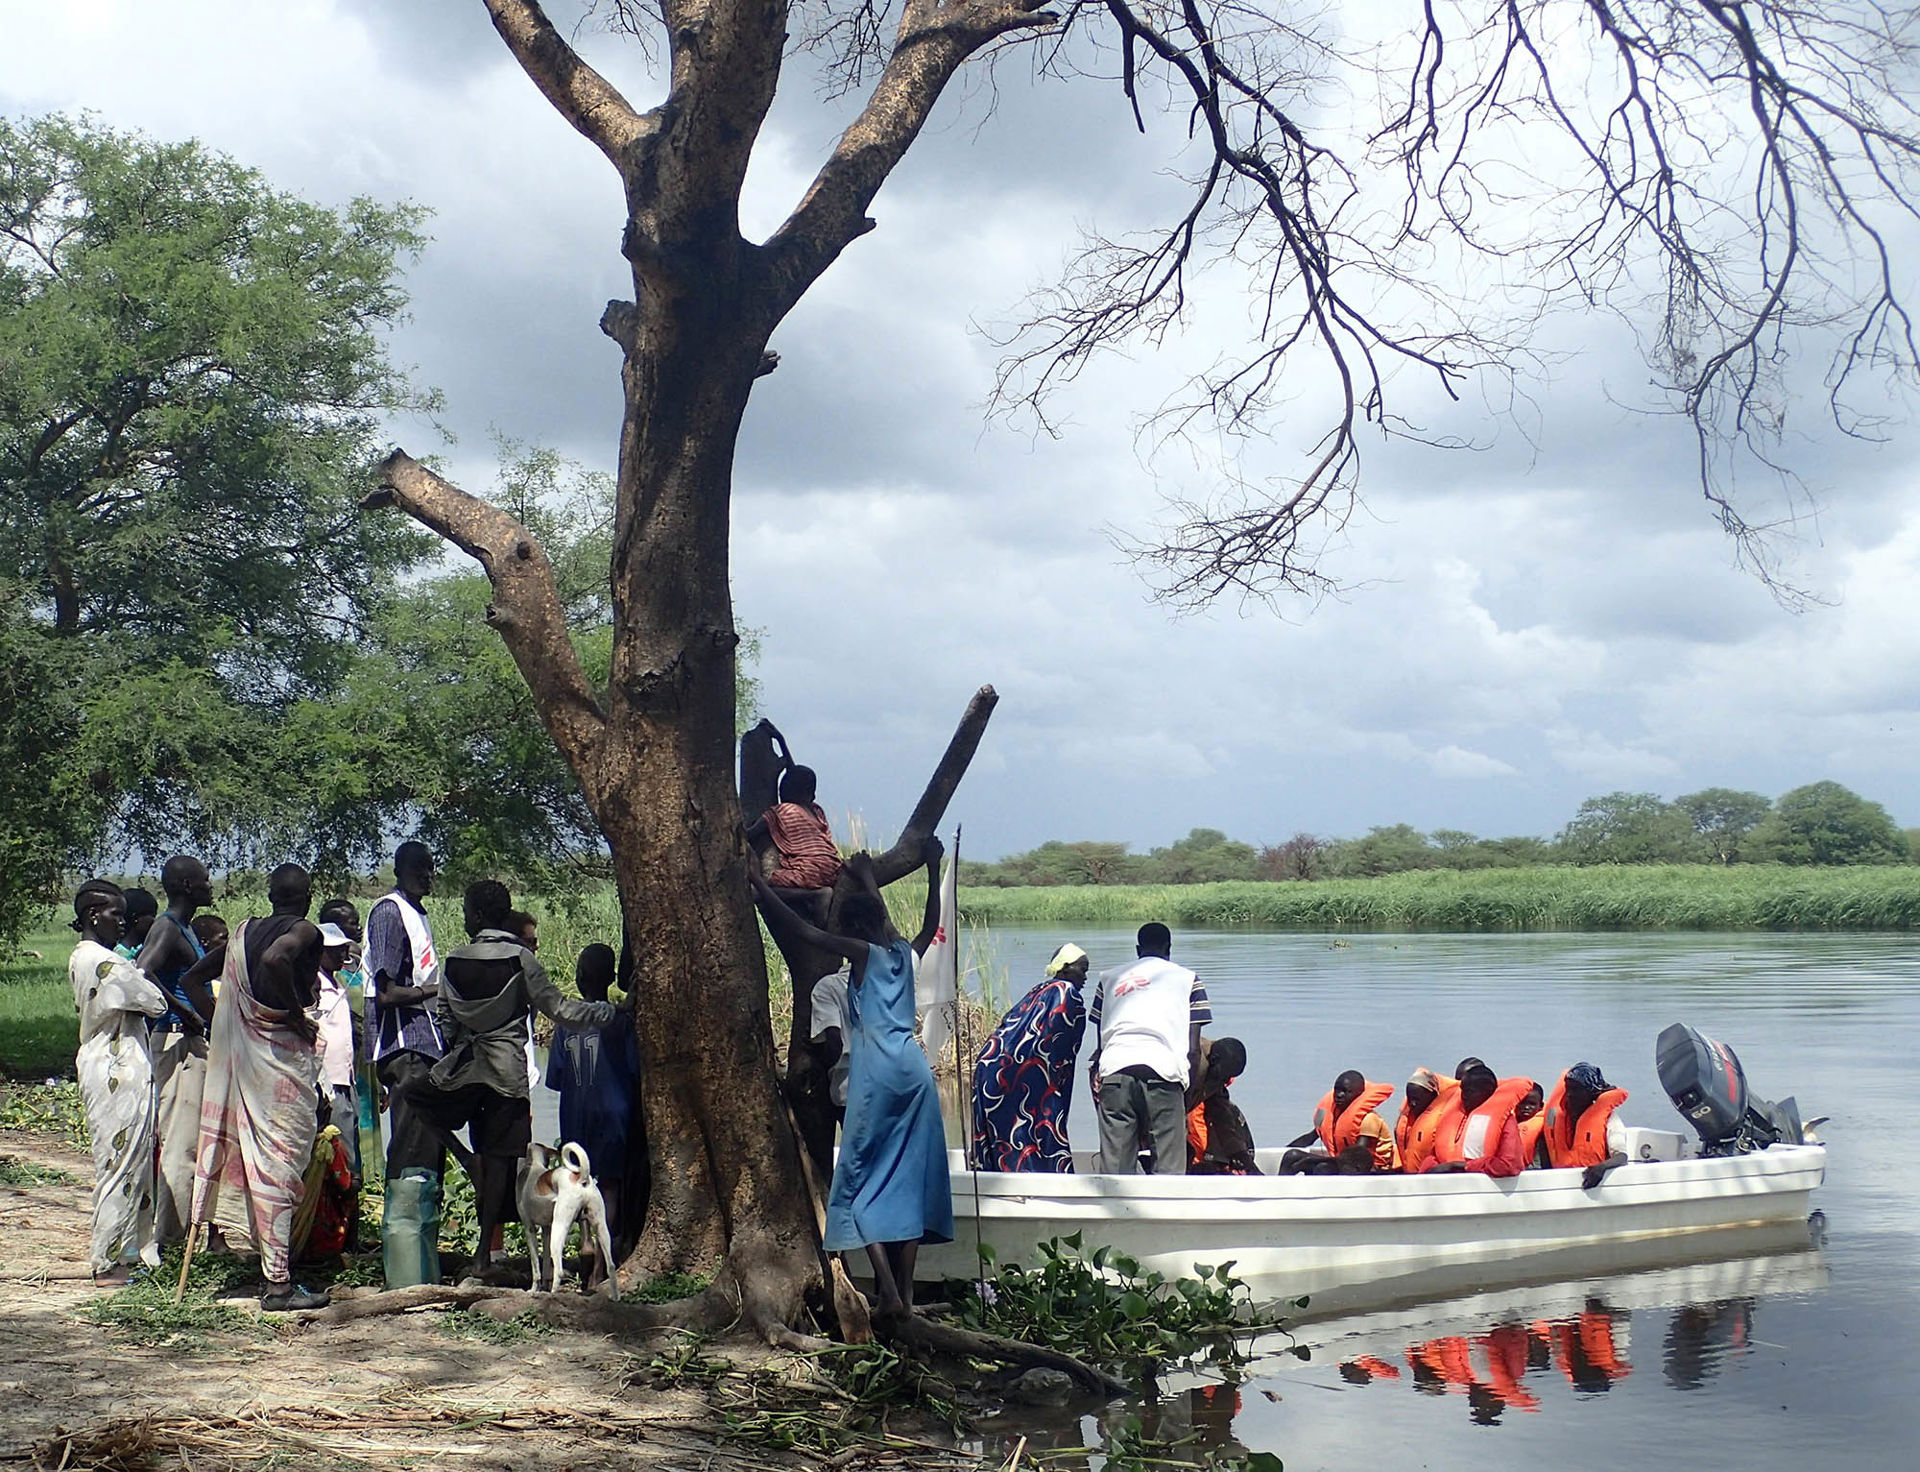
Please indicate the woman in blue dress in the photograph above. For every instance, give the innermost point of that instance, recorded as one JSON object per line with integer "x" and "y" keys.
{"x": 890, "y": 1188}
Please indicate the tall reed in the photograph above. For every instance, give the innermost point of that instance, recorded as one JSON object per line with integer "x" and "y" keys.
{"x": 1637, "y": 897}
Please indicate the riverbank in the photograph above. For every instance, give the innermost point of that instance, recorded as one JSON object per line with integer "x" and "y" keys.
{"x": 99, "y": 1380}
{"x": 1638, "y": 897}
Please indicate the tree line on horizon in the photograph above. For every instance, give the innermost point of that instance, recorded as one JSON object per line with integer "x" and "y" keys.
{"x": 1822, "y": 823}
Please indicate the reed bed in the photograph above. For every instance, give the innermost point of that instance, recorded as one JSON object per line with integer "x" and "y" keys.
{"x": 1639, "y": 897}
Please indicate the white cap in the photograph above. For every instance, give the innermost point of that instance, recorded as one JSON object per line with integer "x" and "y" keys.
{"x": 332, "y": 935}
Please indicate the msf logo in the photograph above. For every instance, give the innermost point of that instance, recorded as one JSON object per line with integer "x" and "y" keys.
{"x": 1128, "y": 984}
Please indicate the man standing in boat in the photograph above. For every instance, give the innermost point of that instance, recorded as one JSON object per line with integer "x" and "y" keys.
{"x": 1147, "y": 1018}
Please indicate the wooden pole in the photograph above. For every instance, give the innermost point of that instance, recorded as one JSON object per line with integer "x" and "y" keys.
{"x": 186, "y": 1261}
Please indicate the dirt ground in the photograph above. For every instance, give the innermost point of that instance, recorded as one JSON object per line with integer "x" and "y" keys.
{"x": 391, "y": 1391}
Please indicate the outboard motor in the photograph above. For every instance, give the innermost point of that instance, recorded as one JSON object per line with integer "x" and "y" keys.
{"x": 1707, "y": 1084}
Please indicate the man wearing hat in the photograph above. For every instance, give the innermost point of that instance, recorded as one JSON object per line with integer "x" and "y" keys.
{"x": 1023, "y": 1082}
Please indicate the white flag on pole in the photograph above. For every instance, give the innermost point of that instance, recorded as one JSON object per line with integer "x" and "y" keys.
{"x": 936, "y": 976}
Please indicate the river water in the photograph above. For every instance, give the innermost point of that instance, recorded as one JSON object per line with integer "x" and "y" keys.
{"x": 1786, "y": 1353}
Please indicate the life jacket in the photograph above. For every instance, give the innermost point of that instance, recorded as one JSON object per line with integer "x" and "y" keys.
{"x": 1339, "y": 1134}
{"x": 1219, "y": 1141}
{"x": 1197, "y": 1131}
{"x": 1583, "y": 1141}
{"x": 1476, "y": 1135}
{"x": 1530, "y": 1132}
{"x": 1413, "y": 1135}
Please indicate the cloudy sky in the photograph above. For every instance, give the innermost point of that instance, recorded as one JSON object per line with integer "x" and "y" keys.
{"x": 1546, "y": 618}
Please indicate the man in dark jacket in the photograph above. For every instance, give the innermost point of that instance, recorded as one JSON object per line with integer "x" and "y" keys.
{"x": 489, "y": 989}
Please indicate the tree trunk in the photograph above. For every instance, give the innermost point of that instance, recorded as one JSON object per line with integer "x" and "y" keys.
{"x": 726, "y": 1182}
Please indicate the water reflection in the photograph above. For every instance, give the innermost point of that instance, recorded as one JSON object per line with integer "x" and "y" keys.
{"x": 1490, "y": 1368}
{"x": 1552, "y": 1352}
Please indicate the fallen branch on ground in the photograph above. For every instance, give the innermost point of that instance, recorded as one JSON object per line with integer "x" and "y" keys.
{"x": 919, "y": 1332}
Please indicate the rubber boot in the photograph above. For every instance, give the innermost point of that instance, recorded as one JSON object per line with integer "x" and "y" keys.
{"x": 410, "y": 1229}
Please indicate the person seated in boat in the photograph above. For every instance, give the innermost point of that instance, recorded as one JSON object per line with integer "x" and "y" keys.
{"x": 1485, "y": 1139}
{"x": 1530, "y": 1112}
{"x": 1219, "y": 1142}
{"x": 1347, "y": 1115}
{"x": 797, "y": 827}
{"x": 1421, "y": 1114}
{"x": 1583, "y": 1128}
{"x": 1023, "y": 1078}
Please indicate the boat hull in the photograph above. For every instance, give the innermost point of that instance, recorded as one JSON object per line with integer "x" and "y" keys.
{"x": 1305, "y": 1234}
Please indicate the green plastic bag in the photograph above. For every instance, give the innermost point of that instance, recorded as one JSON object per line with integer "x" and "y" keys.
{"x": 410, "y": 1228}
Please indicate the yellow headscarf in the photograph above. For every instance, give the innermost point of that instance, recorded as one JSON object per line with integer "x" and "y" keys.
{"x": 1065, "y": 957}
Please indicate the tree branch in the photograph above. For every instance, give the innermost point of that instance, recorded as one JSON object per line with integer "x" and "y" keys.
{"x": 526, "y": 608}
{"x": 928, "y": 49}
{"x": 579, "y": 93}
{"x": 906, "y": 854}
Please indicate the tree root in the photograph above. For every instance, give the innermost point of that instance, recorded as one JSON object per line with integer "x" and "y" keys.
{"x": 592, "y": 1312}
{"x": 912, "y": 1331}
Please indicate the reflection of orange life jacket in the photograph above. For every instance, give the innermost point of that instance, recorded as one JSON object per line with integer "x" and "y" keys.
{"x": 1588, "y": 1340}
{"x": 1339, "y": 1134}
{"x": 1375, "y": 1368}
{"x": 1450, "y": 1358}
{"x": 1530, "y": 1130}
{"x": 1475, "y": 1136}
{"x": 1506, "y": 1350}
{"x": 1414, "y": 1134}
{"x": 1580, "y": 1142}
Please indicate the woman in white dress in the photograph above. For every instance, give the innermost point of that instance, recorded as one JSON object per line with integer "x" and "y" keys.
{"x": 115, "y": 999}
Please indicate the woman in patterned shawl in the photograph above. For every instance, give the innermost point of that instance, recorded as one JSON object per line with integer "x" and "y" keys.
{"x": 115, "y": 1000}
{"x": 1023, "y": 1082}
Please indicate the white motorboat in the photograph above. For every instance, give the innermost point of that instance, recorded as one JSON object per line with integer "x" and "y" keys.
{"x": 1295, "y": 1235}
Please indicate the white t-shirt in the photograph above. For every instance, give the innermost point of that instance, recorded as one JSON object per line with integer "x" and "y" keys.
{"x": 1144, "y": 1012}
{"x": 830, "y": 1011}
{"x": 335, "y": 1015}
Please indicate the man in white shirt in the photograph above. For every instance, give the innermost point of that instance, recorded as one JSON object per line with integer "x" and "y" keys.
{"x": 1147, "y": 1018}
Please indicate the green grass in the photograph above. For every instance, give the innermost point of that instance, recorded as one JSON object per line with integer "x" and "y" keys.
{"x": 1640, "y": 897}
{"x": 467, "y": 1324}
{"x": 145, "y": 1313}
{"x": 26, "y": 1173}
{"x": 39, "y": 1029}
{"x": 45, "y": 1108}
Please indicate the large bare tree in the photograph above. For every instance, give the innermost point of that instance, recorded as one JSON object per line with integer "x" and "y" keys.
{"x": 1734, "y": 177}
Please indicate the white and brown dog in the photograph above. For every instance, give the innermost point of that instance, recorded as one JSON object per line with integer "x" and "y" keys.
{"x": 555, "y": 1187}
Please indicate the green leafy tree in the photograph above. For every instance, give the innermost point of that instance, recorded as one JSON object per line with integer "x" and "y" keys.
{"x": 1204, "y": 856}
{"x": 1384, "y": 850}
{"x": 1724, "y": 816}
{"x": 1825, "y": 823}
{"x": 48, "y": 816}
{"x": 192, "y": 385}
{"x": 1630, "y": 828}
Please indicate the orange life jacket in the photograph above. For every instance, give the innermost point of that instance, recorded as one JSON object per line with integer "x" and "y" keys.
{"x": 1414, "y": 1134}
{"x": 1483, "y": 1125}
{"x": 1582, "y": 1141}
{"x": 1197, "y": 1131}
{"x": 1339, "y": 1134}
{"x": 1530, "y": 1131}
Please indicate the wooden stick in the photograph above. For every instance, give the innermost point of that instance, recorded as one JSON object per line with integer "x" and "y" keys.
{"x": 186, "y": 1261}
{"x": 849, "y": 1305}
